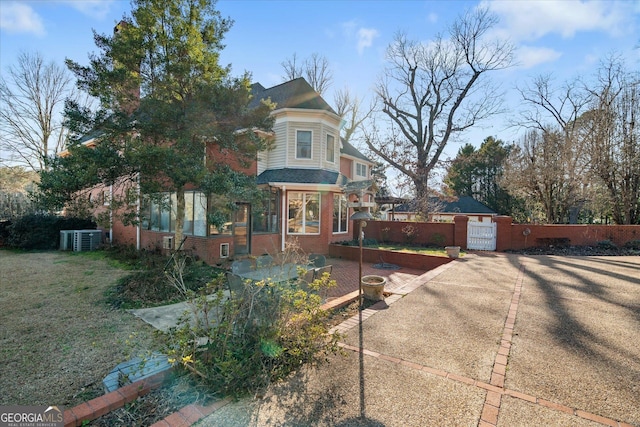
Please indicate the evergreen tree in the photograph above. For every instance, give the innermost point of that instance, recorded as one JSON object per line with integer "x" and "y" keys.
{"x": 478, "y": 173}
{"x": 165, "y": 102}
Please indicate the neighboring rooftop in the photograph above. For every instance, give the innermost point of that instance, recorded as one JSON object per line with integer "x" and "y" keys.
{"x": 464, "y": 204}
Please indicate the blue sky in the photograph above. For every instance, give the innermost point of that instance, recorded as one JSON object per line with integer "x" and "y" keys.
{"x": 565, "y": 37}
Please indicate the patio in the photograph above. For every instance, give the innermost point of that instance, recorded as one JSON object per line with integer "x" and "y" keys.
{"x": 487, "y": 340}
{"x": 344, "y": 272}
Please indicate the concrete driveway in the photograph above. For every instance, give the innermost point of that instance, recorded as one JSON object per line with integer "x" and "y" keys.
{"x": 487, "y": 340}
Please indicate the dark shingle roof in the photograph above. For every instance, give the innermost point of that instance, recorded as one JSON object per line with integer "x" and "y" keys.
{"x": 350, "y": 150}
{"x": 301, "y": 176}
{"x": 464, "y": 204}
{"x": 296, "y": 93}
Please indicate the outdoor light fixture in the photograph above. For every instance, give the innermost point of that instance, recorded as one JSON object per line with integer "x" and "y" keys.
{"x": 362, "y": 216}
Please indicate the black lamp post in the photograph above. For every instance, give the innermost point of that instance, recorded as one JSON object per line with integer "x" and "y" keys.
{"x": 361, "y": 216}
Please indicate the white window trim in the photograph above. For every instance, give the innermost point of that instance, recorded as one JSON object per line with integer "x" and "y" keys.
{"x": 304, "y": 220}
{"x": 296, "y": 145}
{"x": 356, "y": 169}
{"x": 347, "y": 208}
{"x": 326, "y": 140}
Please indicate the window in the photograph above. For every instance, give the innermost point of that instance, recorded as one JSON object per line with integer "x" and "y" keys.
{"x": 200, "y": 214}
{"x": 162, "y": 210}
{"x": 331, "y": 148}
{"x": 132, "y": 196}
{"x": 361, "y": 169}
{"x": 224, "y": 250}
{"x": 219, "y": 217}
{"x": 304, "y": 213}
{"x": 187, "y": 227}
{"x": 340, "y": 213}
{"x": 303, "y": 144}
{"x": 265, "y": 216}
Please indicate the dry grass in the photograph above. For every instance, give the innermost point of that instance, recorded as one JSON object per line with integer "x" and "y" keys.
{"x": 58, "y": 338}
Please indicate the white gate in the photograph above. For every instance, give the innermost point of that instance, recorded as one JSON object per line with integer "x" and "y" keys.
{"x": 481, "y": 236}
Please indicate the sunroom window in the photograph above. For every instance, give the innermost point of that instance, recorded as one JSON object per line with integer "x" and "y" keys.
{"x": 265, "y": 215}
{"x": 340, "y": 213}
{"x": 304, "y": 213}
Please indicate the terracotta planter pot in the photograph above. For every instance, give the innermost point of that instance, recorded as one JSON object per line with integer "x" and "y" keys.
{"x": 373, "y": 287}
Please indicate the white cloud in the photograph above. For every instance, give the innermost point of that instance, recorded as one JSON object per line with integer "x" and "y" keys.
{"x": 98, "y": 9}
{"x": 365, "y": 38}
{"x": 533, "y": 19}
{"x": 349, "y": 28}
{"x": 432, "y": 18}
{"x": 20, "y": 18}
{"x": 529, "y": 56}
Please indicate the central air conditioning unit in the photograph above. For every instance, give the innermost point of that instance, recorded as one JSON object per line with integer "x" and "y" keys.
{"x": 66, "y": 240}
{"x": 86, "y": 240}
{"x": 167, "y": 242}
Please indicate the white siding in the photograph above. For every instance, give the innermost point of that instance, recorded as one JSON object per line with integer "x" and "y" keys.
{"x": 283, "y": 154}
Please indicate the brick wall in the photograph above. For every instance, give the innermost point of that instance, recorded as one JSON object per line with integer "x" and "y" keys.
{"x": 520, "y": 236}
{"x": 509, "y": 236}
{"x": 373, "y": 256}
{"x": 441, "y": 234}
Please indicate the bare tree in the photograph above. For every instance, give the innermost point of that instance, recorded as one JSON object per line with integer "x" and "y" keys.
{"x": 349, "y": 107}
{"x": 292, "y": 68}
{"x": 614, "y": 143}
{"x": 430, "y": 93}
{"x": 15, "y": 185}
{"x": 538, "y": 170}
{"x": 314, "y": 69}
{"x": 555, "y": 147}
{"x": 32, "y": 99}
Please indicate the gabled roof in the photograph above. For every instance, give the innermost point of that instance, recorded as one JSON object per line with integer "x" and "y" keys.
{"x": 352, "y": 151}
{"x": 464, "y": 204}
{"x": 301, "y": 176}
{"x": 296, "y": 93}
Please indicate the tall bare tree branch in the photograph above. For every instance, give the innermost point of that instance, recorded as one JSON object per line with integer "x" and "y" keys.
{"x": 314, "y": 69}
{"x": 32, "y": 99}
{"x": 432, "y": 92}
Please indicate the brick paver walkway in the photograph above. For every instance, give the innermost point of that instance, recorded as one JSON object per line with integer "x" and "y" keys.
{"x": 515, "y": 287}
{"x": 345, "y": 273}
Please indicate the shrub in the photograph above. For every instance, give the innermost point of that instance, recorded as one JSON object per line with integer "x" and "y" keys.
{"x": 4, "y": 231}
{"x": 410, "y": 233}
{"x": 633, "y": 245}
{"x": 438, "y": 239}
{"x": 42, "y": 231}
{"x": 243, "y": 343}
{"x": 148, "y": 286}
{"x": 607, "y": 245}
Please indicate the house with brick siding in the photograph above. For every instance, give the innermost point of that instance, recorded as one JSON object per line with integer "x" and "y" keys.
{"x": 308, "y": 176}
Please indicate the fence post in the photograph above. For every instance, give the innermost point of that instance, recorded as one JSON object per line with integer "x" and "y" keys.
{"x": 460, "y": 231}
{"x": 503, "y": 231}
